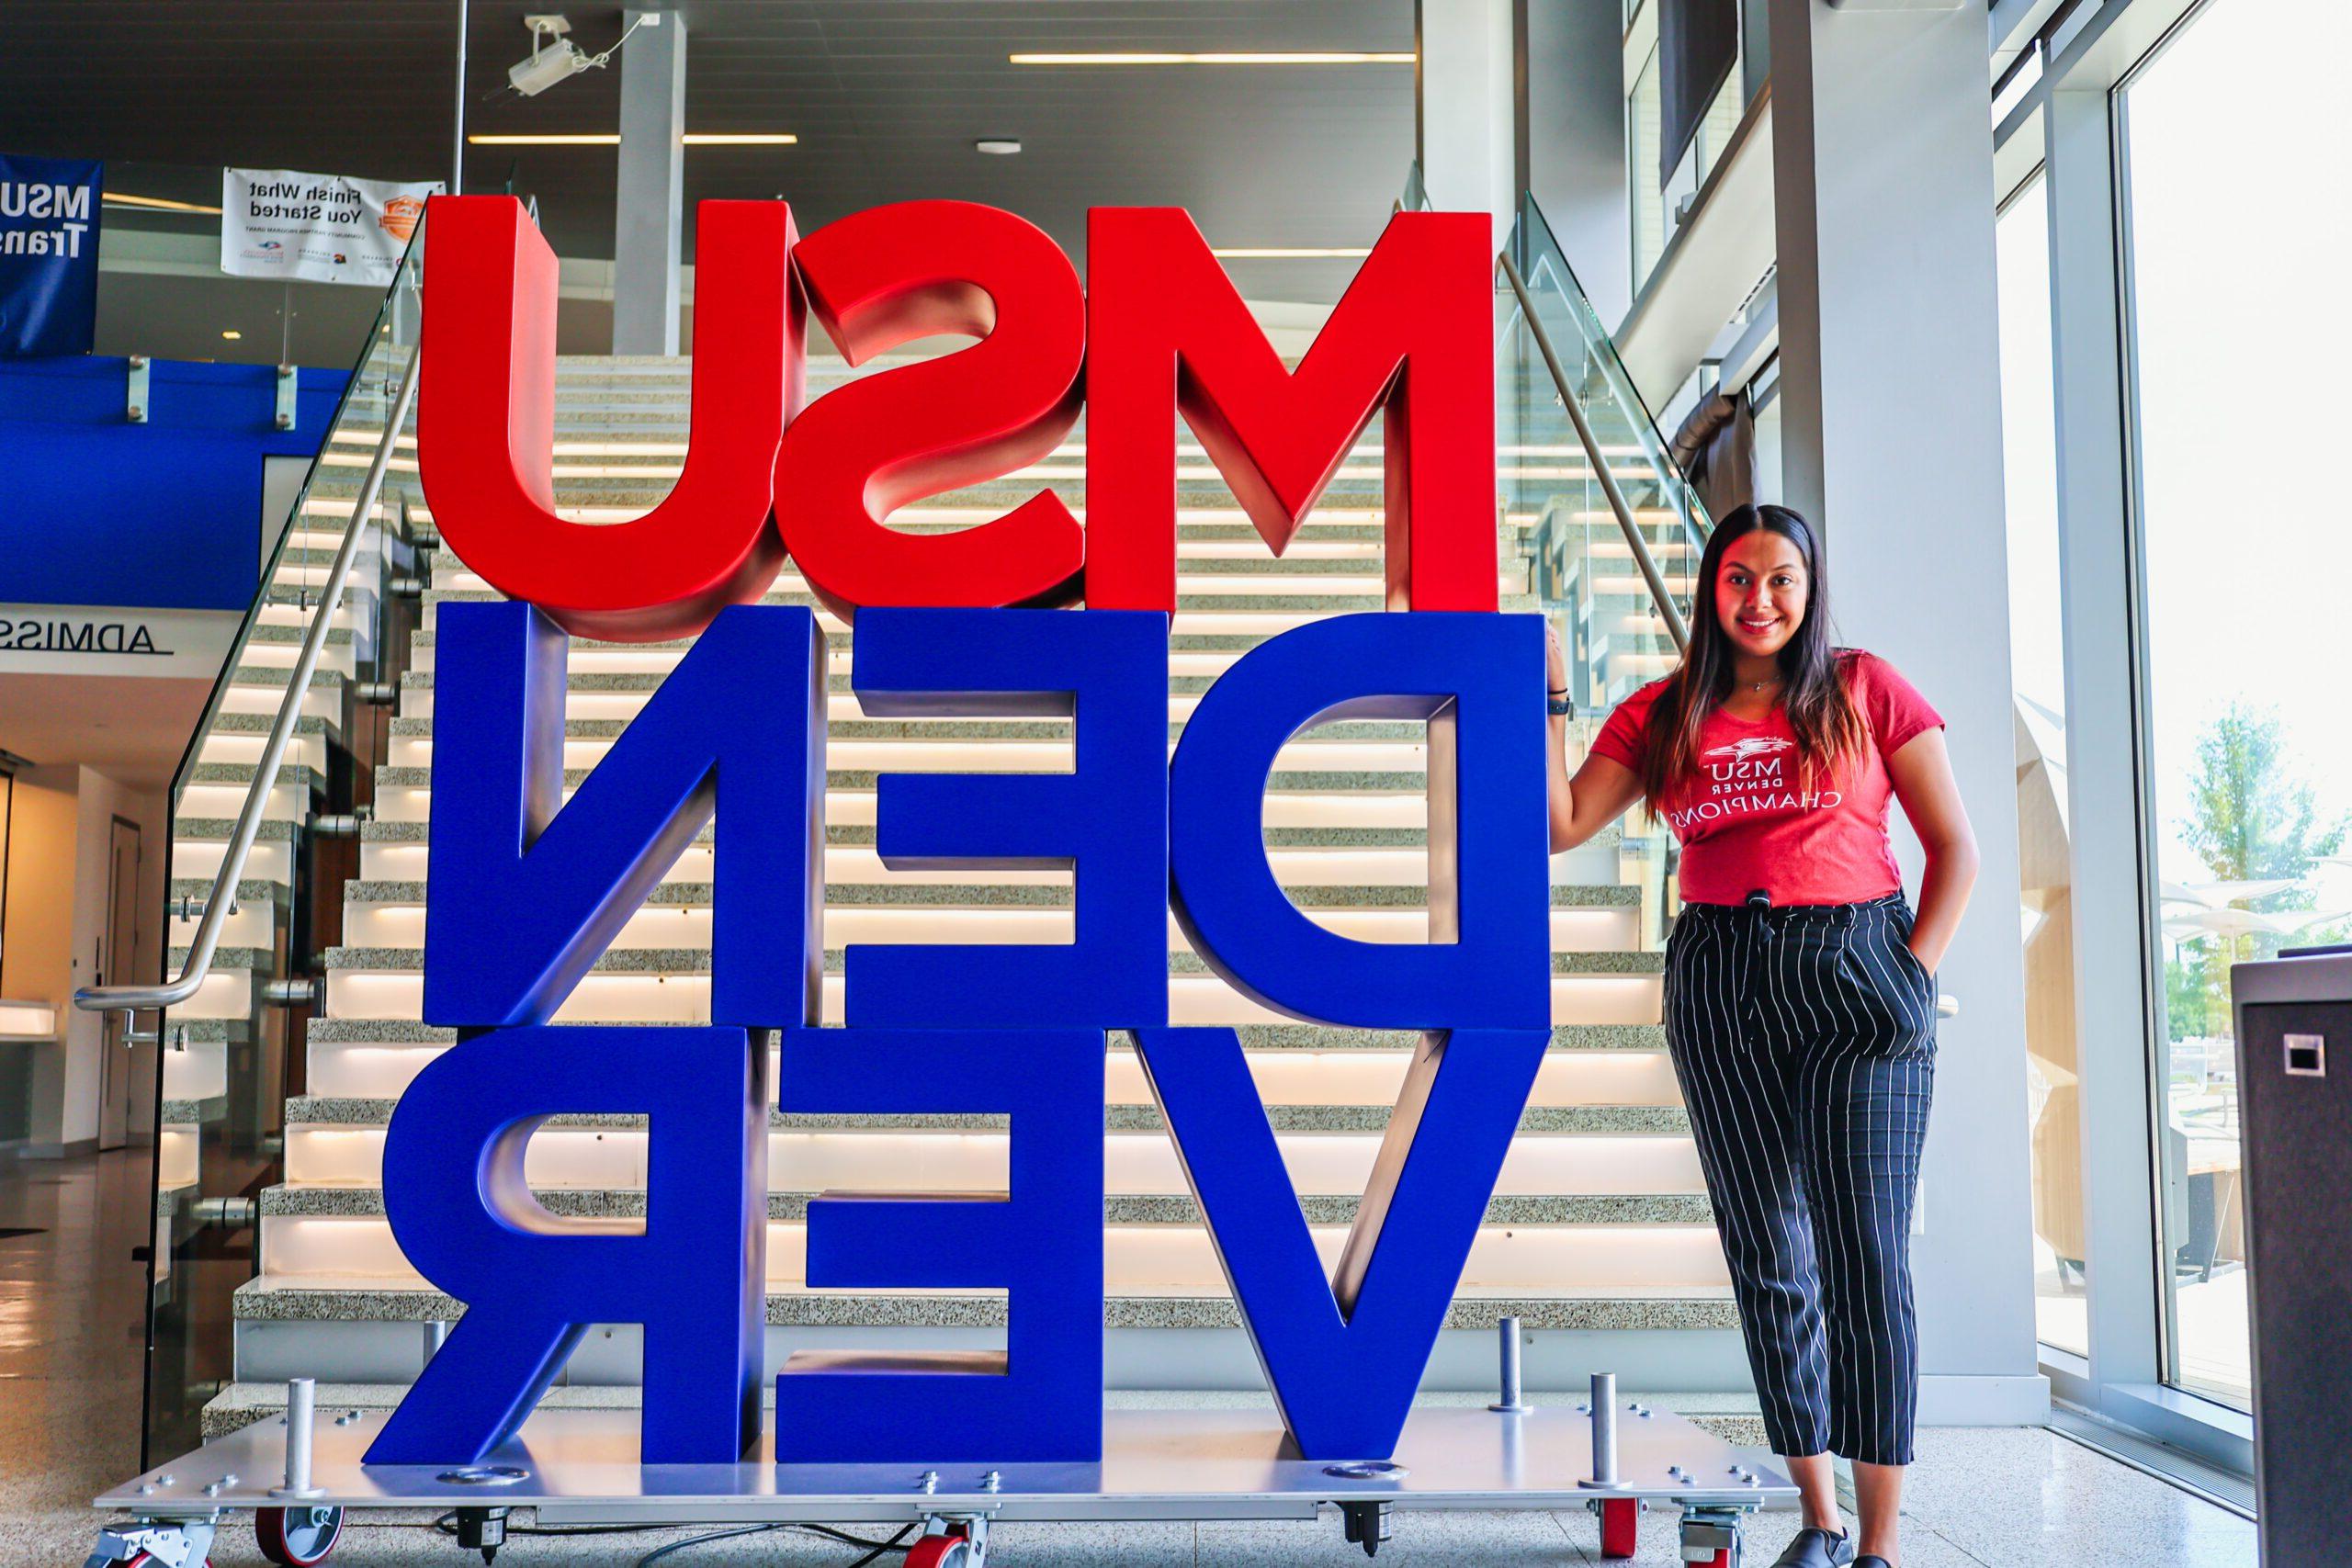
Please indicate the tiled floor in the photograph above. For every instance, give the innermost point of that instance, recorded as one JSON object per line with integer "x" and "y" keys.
{"x": 69, "y": 1414}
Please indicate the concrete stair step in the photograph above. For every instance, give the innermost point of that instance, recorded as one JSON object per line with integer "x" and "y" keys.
{"x": 1242, "y": 596}
{"x": 972, "y": 906}
{"x": 198, "y": 889}
{"x": 1118, "y": 1209}
{"x": 1381, "y": 842}
{"x": 311, "y": 1110}
{"x": 1588, "y": 1065}
{"x": 1255, "y": 1038}
{"x": 1404, "y": 835}
{"x": 987, "y": 895}
{"x": 362, "y": 1300}
{"x": 208, "y": 829}
{"x": 674, "y": 961}
{"x": 1305, "y": 791}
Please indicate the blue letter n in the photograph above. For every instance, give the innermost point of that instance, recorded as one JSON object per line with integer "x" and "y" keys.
{"x": 524, "y": 898}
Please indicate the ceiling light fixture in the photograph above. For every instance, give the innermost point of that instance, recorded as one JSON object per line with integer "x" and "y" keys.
{"x": 552, "y": 138}
{"x": 156, "y": 203}
{"x": 611, "y": 139}
{"x": 1001, "y": 146}
{"x": 1290, "y": 253}
{"x": 1237, "y": 57}
{"x": 231, "y": 334}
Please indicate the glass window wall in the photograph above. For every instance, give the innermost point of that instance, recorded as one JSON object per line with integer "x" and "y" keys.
{"x": 2236, "y": 228}
{"x": 2037, "y": 661}
{"x": 1643, "y": 131}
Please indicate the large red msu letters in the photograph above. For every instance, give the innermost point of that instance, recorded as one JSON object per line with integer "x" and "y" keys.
{"x": 1162, "y": 332}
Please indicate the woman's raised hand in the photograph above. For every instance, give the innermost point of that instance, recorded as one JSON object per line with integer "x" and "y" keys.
{"x": 1556, "y": 659}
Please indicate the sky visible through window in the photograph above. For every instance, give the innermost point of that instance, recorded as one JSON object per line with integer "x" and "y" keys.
{"x": 2239, "y": 222}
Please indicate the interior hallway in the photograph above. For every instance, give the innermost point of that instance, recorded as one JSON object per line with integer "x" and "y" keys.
{"x": 70, "y": 1329}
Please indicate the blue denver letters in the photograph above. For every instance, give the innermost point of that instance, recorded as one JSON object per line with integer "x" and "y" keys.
{"x": 524, "y": 896}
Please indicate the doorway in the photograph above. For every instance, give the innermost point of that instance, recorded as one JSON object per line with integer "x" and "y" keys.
{"x": 117, "y": 960}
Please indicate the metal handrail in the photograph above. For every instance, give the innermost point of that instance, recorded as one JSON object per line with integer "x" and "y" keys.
{"x": 1675, "y": 626}
{"x": 198, "y": 964}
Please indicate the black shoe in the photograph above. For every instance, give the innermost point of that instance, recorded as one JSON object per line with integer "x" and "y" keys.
{"x": 1816, "y": 1548}
{"x": 1872, "y": 1560}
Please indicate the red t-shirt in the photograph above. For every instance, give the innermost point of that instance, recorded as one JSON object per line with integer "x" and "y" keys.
{"x": 1746, "y": 823}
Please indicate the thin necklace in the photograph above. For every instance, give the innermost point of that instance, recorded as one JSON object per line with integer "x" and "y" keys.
{"x": 1759, "y": 685}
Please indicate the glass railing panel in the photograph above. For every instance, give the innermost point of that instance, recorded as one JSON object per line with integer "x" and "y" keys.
{"x": 1609, "y": 530}
{"x": 1415, "y": 197}
{"x": 1582, "y": 573}
{"x": 229, "y": 1056}
{"x": 1613, "y": 404}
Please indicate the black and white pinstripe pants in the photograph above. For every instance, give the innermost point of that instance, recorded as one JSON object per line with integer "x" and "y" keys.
{"x": 1804, "y": 1039}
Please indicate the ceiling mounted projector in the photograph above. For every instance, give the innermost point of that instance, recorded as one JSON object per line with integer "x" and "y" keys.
{"x": 550, "y": 62}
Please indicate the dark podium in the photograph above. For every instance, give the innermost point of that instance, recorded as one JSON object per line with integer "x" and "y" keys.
{"x": 2294, "y": 1033}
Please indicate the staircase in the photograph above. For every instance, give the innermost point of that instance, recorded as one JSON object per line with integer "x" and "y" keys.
{"x": 1598, "y": 1237}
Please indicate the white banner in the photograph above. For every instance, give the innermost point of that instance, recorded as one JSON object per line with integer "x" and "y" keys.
{"x": 317, "y": 228}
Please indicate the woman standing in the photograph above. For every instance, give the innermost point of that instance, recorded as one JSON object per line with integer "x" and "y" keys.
{"x": 1800, "y": 991}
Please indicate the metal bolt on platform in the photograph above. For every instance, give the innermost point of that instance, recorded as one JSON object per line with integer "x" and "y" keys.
{"x": 1507, "y": 1344}
{"x": 1605, "y": 1430}
{"x": 301, "y": 1397}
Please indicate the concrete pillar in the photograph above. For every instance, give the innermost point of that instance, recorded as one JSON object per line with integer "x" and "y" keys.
{"x": 1572, "y": 140}
{"x": 1891, "y": 398}
{"x": 1467, "y": 101}
{"x": 649, "y": 198}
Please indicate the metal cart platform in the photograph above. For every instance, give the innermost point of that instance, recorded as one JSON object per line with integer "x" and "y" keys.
{"x": 581, "y": 1467}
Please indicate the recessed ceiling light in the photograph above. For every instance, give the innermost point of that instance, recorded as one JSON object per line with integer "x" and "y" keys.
{"x": 156, "y": 203}
{"x": 611, "y": 139}
{"x": 1289, "y": 253}
{"x": 1292, "y": 58}
{"x": 1003, "y": 146}
{"x": 233, "y": 334}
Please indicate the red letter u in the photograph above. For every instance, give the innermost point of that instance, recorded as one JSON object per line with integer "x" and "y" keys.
{"x": 486, "y": 423}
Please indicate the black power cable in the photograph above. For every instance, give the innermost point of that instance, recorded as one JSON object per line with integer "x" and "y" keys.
{"x": 880, "y": 1547}
{"x": 447, "y": 1525}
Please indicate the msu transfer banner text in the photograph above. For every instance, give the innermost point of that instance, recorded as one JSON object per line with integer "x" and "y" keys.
{"x": 316, "y": 228}
{"x": 48, "y": 254}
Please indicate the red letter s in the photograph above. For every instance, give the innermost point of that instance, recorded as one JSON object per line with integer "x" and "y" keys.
{"x": 877, "y": 279}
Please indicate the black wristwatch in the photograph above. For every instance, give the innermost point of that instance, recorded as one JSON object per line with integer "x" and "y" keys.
{"x": 1559, "y": 702}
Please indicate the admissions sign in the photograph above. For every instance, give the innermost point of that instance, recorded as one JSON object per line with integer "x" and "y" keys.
{"x": 526, "y": 887}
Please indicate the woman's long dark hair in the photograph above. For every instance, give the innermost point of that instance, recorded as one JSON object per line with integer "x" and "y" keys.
{"x": 1829, "y": 728}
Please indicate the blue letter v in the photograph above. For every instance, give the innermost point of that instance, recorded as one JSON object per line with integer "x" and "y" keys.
{"x": 1344, "y": 1355}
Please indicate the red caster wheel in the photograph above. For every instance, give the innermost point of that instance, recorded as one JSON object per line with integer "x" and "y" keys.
{"x": 950, "y": 1551}
{"x": 297, "y": 1537}
{"x": 1711, "y": 1538}
{"x": 1620, "y": 1519}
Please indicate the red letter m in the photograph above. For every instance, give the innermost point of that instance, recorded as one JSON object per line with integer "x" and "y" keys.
{"x": 1413, "y": 334}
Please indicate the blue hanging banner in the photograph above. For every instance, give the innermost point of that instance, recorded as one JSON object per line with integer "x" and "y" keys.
{"x": 48, "y": 254}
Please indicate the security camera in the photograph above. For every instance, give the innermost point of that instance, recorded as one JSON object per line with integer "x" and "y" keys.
{"x": 554, "y": 58}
